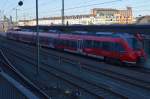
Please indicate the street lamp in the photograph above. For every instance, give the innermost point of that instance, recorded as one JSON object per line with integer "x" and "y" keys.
{"x": 20, "y": 3}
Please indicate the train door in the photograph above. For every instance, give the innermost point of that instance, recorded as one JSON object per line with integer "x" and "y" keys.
{"x": 80, "y": 46}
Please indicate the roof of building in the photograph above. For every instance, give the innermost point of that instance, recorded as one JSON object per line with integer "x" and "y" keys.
{"x": 66, "y": 17}
{"x": 24, "y": 20}
{"x": 105, "y": 9}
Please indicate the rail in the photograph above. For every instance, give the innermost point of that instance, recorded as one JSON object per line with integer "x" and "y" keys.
{"x": 61, "y": 58}
{"x": 97, "y": 90}
{"x": 24, "y": 80}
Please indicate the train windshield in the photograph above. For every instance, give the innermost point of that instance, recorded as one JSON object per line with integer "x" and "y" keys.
{"x": 135, "y": 44}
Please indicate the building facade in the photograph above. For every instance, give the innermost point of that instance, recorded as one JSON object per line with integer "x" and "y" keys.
{"x": 143, "y": 20}
{"x": 114, "y": 16}
{"x": 97, "y": 16}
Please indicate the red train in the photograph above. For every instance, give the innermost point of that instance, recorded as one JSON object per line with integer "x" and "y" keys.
{"x": 124, "y": 48}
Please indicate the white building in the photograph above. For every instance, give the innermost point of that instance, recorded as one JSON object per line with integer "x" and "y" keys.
{"x": 98, "y": 16}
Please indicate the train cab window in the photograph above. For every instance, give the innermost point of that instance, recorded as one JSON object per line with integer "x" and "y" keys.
{"x": 135, "y": 44}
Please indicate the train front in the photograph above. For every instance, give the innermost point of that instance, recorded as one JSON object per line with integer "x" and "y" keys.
{"x": 136, "y": 51}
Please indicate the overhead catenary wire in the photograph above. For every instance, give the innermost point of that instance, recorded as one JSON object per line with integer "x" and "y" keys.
{"x": 56, "y": 11}
{"x": 77, "y": 7}
{"x": 83, "y": 6}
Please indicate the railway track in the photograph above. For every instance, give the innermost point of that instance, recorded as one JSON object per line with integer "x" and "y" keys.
{"x": 133, "y": 73}
{"x": 9, "y": 68}
{"x": 98, "y": 90}
{"x": 115, "y": 75}
{"x": 139, "y": 84}
{"x": 119, "y": 77}
{"x": 141, "y": 69}
{"x": 110, "y": 67}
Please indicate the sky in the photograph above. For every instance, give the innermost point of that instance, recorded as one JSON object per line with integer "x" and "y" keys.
{"x": 49, "y": 8}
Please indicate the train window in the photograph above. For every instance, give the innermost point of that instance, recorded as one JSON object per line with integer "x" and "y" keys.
{"x": 74, "y": 44}
{"x": 26, "y": 30}
{"x": 119, "y": 47}
{"x": 106, "y": 46}
{"x": 65, "y": 42}
{"x": 88, "y": 43}
{"x": 109, "y": 46}
{"x": 71, "y": 43}
{"x": 112, "y": 46}
{"x": 55, "y": 41}
{"x": 41, "y": 30}
{"x": 97, "y": 44}
{"x": 62, "y": 42}
{"x": 51, "y": 40}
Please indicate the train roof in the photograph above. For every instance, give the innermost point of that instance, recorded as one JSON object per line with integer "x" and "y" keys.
{"x": 94, "y": 38}
{"x": 21, "y": 32}
{"x": 102, "y": 36}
